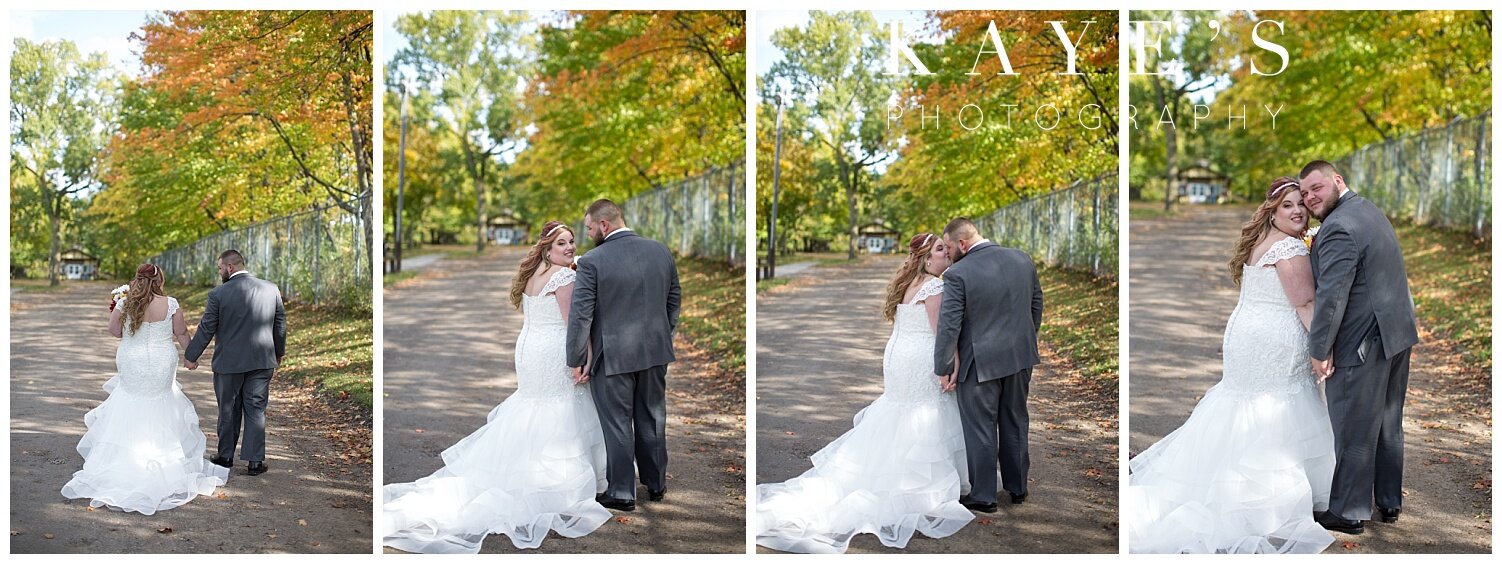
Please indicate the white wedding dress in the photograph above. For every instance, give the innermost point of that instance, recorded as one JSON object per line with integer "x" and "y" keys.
{"x": 143, "y": 450}
{"x": 901, "y": 468}
{"x": 1247, "y": 470}
{"x": 534, "y": 466}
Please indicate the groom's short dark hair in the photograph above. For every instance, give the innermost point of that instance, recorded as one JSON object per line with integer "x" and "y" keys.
{"x": 603, "y": 209}
{"x": 1322, "y": 166}
{"x": 232, "y": 257}
{"x": 960, "y": 225}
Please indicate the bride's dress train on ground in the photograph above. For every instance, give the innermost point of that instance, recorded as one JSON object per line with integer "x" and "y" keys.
{"x": 535, "y": 466}
{"x": 143, "y": 450}
{"x": 900, "y": 470}
{"x": 1246, "y": 471}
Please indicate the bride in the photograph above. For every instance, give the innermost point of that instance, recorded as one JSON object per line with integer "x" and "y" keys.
{"x": 1251, "y": 465}
{"x": 902, "y": 467}
{"x": 143, "y": 450}
{"x": 539, "y": 460}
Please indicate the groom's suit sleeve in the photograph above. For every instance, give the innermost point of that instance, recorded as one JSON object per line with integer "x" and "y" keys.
{"x": 951, "y": 314}
{"x": 1337, "y": 272}
{"x": 581, "y": 312}
{"x": 207, "y": 326}
{"x": 279, "y": 328}
{"x": 675, "y": 297}
{"x": 1037, "y": 303}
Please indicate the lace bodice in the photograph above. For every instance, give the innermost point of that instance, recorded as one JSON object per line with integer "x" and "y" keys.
{"x": 152, "y": 330}
{"x": 147, "y": 359}
{"x": 1266, "y": 348}
{"x": 541, "y": 365}
{"x": 908, "y": 364}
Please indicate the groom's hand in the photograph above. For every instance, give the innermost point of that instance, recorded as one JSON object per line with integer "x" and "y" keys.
{"x": 190, "y": 365}
{"x": 947, "y": 382}
{"x": 581, "y": 374}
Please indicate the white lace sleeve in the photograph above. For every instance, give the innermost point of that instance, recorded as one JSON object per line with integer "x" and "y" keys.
{"x": 563, "y": 277}
{"x": 171, "y": 306}
{"x": 1284, "y": 250}
{"x": 928, "y": 290}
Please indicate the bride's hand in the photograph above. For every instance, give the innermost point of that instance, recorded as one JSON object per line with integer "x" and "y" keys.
{"x": 581, "y": 374}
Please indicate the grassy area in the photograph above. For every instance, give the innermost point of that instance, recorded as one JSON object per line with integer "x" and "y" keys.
{"x": 1081, "y": 321}
{"x": 713, "y": 314}
{"x": 326, "y": 346}
{"x": 769, "y": 283}
{"x": 1144, "y": 209}
{"x": 1450, "y": 276}
{"x": 31, "y": 286}
{"x": 393, "y": 277}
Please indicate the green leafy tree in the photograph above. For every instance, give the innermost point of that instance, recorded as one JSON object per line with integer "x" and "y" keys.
{"x": 62, "y": 107}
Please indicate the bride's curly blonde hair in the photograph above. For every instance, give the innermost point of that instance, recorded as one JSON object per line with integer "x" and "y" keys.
{"x": 918, "y": 250}
{"x": 534, "y": 259}
{"x": 143, "y": 289}
{"x": 1261, "y": 222}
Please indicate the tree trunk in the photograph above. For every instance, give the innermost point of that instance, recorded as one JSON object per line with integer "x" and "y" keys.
{"x": 847, "y": 176}
{"x": 54, "y": 257}
{"x": 1170, "y": 148}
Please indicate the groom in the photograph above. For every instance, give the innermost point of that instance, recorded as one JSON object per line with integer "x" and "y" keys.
{"x": 620, "y": 340}
{"x": 1360, "y": 339}
{"x": 245, "y": 315}
{"x": 991, "y": 313}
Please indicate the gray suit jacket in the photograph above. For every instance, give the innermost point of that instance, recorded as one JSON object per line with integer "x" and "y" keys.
{"x": 1361, "y": 296}
{"x": 625, "y": 304}
{"x": 992, "y": 310}
{"x": 245, "y": 314}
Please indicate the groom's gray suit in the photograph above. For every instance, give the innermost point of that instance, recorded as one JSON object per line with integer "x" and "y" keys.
{"x": 625, "y": 305}
{"x": 1363, "y": 315}
{"x": 244, "y": 317}
{"x": 991, "y": 313}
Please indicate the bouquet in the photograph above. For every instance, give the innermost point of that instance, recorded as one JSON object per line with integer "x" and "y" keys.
{"x": 118, "y": 295}
{"x": 1309, "y": 237}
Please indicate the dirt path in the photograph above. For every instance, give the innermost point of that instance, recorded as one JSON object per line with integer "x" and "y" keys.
{"x": 449, "y": 340}
{"x": 819, "y": 349}
{"x": 61, "y": 353}
{"x": 1181, "y": 297}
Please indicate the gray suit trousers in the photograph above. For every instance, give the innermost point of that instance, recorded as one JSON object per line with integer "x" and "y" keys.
{"x": 1366, "y": 414}
{"x": 243, "y": 397}
{"x": 994, "y": 416}
{"x": 633, "y": 416}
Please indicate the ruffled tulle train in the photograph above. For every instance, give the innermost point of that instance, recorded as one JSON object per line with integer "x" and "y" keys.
{"x": 535, "y": 466}
{"x": 1243, "y": 475}
{"x": 900, "y": 470}
{"x": 143, "y": 453}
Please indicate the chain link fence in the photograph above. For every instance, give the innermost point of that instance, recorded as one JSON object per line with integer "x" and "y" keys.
{"x": 1074, "y": 227}
{"x": 1440, "y": 176}
{"x": 319, "y": 256}
{"x": 703, "y": 216}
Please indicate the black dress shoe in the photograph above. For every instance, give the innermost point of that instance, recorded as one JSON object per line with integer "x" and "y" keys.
{"x": 977, "y": 505}
{"x": 1018, "y": 498}
{"x": 1336, "y": 523}
{"x": 1389, "y": 515}
{"x": 225, "y": 462}
{"x": 616, "y": 504}
{"x": 656, "y": 495}
{"x": 256, "y": 468}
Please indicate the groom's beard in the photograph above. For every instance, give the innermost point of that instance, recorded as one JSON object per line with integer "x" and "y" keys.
{"x": 225, "y": 277}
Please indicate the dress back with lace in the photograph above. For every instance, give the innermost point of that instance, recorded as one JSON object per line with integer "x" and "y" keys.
{"x": 907, "y": 364}
{"x": 1266, "y": 348}
{"x": 541, "y": 363}
{"x": 147, "y": 358}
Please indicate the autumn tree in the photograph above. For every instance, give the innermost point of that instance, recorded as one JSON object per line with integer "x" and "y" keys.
{"x": 625, "y": 101}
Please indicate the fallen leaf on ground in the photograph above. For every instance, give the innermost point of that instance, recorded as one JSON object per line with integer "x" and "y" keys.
{"x": 164, "y": 530}
{"x": 49, "y": 536}
{"x": 302, "y": 522}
